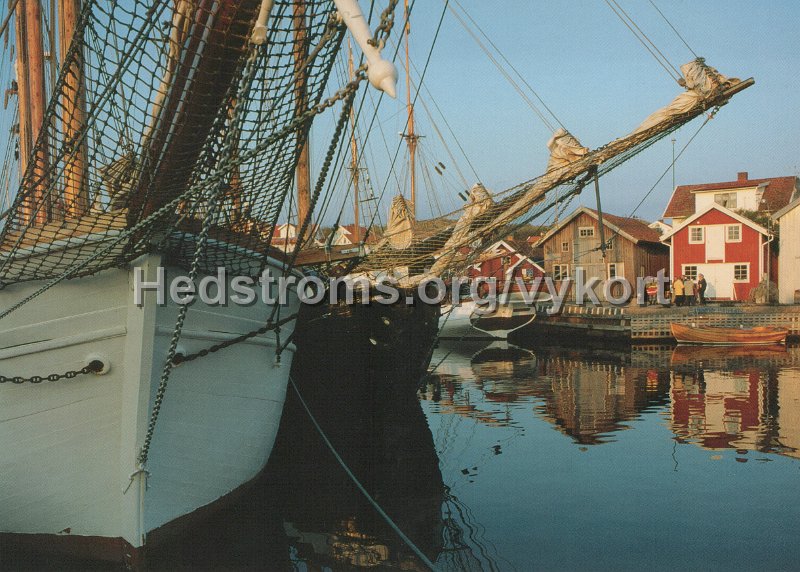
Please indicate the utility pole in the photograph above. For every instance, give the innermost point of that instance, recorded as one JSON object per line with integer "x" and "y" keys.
{"x": 673, "y": 163}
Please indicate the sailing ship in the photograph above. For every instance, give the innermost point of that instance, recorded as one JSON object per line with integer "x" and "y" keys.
{"x": 123, "y": 417}
{"x": 412, "y": 252}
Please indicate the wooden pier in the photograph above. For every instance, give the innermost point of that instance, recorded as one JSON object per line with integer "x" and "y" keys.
{"x": 646, "y": 324}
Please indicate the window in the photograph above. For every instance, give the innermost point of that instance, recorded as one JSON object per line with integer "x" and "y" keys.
{"x": 586, "y": 231}
{"x": 505, "y": 261}
{"x": 733, "y": 233}
{"x": 697, "y": 235}
{"x": 560, "y": 271}
{"x": 610, "y": 244}
{"x": 690, "y": 271}
{"x": 565, "y": 247}
{"x": 741, "y": 272}
{"x": 727, "y": 200}
{"x": 615, "y": 269}
{"x": 528, "y": 272}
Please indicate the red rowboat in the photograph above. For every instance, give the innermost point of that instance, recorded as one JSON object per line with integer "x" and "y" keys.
{"x": 728, "y": 336}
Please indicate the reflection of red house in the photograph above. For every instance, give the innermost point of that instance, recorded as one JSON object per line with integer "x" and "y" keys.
{"x": 720, "y": 411}
{"x": 507, "y": 260}
{"x": 731, "y": 251}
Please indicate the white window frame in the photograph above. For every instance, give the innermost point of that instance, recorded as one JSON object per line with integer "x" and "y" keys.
{"x": 619, "y": 269}
{"x": 728, "y": 238}
{"x": 702, "y": 230}
{"x": 586, "y": 232}
{"x": 728, "y": 197}
{"x": 741, "y": 280}
{"x": 565, "y": 243}
{"x": 563, "y": 271}
{"x": 610, "y": 244}
{"x": 686, "y": 273}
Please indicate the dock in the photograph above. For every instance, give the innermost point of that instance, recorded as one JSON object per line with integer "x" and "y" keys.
{"x": 649, "y": 324}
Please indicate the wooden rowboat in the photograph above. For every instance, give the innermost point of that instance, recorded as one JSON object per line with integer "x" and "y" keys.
{"x": 728, "y": 336}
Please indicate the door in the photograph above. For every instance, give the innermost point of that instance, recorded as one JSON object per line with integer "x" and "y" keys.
{"x": 719, "y": 278}
{"x": 715, "y": 243}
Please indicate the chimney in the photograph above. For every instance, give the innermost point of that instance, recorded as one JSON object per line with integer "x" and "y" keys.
{"x": 741, "y": 176}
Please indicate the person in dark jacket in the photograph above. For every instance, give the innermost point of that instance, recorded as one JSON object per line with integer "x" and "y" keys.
{"x": 701, "y": 288}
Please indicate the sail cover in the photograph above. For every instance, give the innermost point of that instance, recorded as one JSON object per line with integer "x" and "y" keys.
{"x": 700, "y": 81}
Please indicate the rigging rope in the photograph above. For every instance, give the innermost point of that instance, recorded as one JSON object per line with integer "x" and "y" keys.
{"x": 644, "y": 40}
{"x": 504, "y": 73}
{"x": 357, "y": 483}
{"x": 416, "y": 95}
{"x": 506, "y": 60}
{"x": 648, "y": 193}
{"x": 673, "y": 29}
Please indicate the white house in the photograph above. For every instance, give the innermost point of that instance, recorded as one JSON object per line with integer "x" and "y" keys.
{"x": 789, "y": 258}
{"x": 764, "y": 195}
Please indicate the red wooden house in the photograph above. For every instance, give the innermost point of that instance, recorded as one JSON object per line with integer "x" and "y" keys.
{"x": 730, "y": 250}
{"x": 507, "y": 260}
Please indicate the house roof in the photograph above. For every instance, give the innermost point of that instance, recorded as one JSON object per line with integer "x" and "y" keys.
{"x": 520, "y": 248}
{"x": 745, "y": 221}
{"x": 634, "y": 229}
{"x": 777, "y": 194}
{"x": 373, "y": 237}
{"x": 792, "y": 205}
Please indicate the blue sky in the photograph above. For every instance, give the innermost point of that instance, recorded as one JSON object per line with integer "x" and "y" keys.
{"x": 600, "y": 82}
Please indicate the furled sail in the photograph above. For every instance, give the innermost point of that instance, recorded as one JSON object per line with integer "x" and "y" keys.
{"x": 569, "y": 166}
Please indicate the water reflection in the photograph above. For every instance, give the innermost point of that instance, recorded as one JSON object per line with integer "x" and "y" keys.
{"x": 736, "y": 398}
{"x": 538, "y": 443}
{"x": 586, "y": 395}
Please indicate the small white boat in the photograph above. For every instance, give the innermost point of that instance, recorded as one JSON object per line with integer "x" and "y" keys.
{"x": 470, "y": 321}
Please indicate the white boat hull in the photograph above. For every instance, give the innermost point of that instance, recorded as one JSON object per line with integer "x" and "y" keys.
{"x": 465, "y": 321}
{"x": 70, "y": 447}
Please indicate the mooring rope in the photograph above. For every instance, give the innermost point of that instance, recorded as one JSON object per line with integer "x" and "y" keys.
{"x": 421, "y": 555}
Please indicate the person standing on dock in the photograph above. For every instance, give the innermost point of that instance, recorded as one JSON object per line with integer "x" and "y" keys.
{"x": 688, "y": 289}
{"x": 701, "y": 289}
{"x": 677, "y": 290}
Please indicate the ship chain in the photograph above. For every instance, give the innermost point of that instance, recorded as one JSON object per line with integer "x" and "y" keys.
{"x": 94, "y": 366}
{"x": 183, "y": 358}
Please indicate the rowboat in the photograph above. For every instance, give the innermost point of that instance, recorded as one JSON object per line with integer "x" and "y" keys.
{"x": 728, "y": 336}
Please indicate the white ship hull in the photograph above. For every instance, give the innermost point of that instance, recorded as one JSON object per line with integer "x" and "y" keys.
{"x": 70, "y": 447}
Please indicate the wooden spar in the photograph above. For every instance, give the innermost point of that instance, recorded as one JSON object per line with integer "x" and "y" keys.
{"x": 76, "y": 189}
{"x": 32, "y": 105}
{"x": 410, "y": 136}
{"x": 354, "y": 153}
{"x": 211, "y": 43}
{"x": 303, "y": 169}
{"x": 23, "y": 101}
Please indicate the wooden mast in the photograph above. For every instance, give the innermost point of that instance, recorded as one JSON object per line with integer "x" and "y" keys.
{"x": 302, "y": 171}
{"x": 410, "y": 136}
{"x": 76, "y": 191}
{"x": 32, "y": 105}
{"x": 354, "y": 153}
{"x": 23, "y": 100}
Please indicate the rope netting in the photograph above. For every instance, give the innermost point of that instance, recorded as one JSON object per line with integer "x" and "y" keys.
{"x": 447, "y": 245}
{"x": 153, "y": 115}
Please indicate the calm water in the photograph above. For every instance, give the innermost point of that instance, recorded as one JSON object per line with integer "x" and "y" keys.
{"x": 520, "y": 459}
{"x": 668, "y": 459}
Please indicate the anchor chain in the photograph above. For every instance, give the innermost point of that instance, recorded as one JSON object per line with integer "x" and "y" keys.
{"x": 92, "y": 367}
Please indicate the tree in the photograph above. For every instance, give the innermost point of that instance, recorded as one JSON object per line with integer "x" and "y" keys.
{"x": 764, "y": 219}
